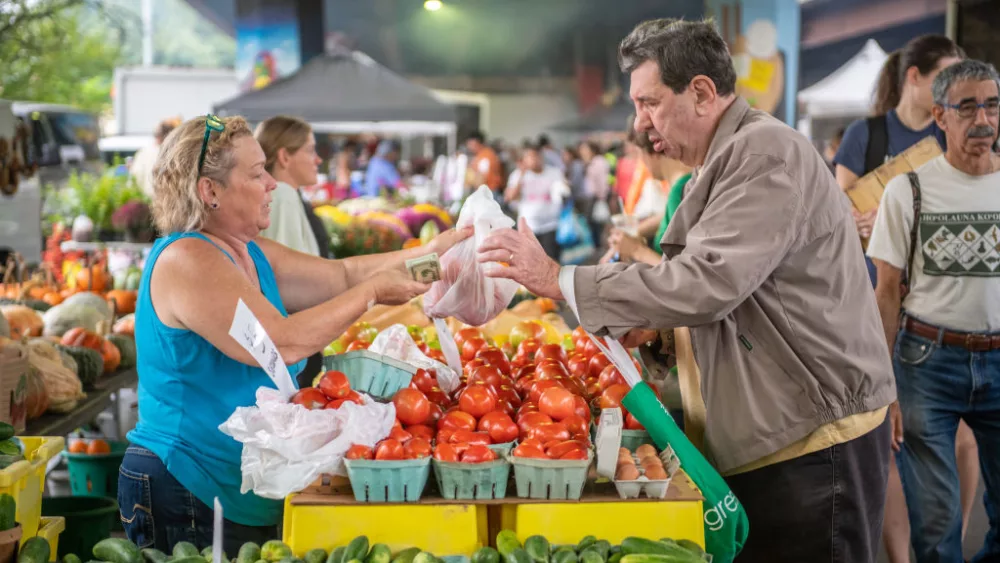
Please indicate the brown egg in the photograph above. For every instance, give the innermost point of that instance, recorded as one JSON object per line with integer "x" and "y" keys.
{"x": 651, "y": 462}
{"x": 625, "y": 463}
{"x": 623, "y": 451}
{"x": 656, "y": 473}
{"x": 645, "y": 450}
{"x": 627, "y": 473}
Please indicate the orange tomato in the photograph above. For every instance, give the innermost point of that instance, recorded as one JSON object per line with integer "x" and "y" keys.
{"x": 98, "y": 446}
{"x": 78, "y": 447}
{"x": 357, "y": 451}
{"x": 556, "y": 402}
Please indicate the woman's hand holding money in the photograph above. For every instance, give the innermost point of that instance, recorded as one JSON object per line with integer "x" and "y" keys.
{"x": 395, "y": 286}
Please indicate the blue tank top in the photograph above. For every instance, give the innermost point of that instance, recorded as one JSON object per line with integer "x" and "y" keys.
{"x": 187, "y": 388}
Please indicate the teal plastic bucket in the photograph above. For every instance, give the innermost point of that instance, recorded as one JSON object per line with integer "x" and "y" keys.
{"x": 95, "y": 475}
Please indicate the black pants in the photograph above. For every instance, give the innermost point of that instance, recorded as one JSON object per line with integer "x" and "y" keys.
{"x": 549, "y": 243}
{"x": 824, "y": 507}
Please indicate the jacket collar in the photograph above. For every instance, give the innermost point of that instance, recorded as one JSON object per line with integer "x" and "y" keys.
{"x": 728, "y": 125}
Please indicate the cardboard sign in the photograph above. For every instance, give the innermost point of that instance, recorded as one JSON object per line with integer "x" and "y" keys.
{"x": 866, "y": 194}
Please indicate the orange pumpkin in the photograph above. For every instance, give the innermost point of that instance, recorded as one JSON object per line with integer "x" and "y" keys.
{"x": 125, "y": 326}
{"x": 112, "y": 356}
{"x": 82, "y": 337}
{"x": 92, "y": 279}
{"x": 52, "y": 298}
{"x": 68, "y": 291}
{"x": 124, "y": 301}
{"x": 24, "y": 321}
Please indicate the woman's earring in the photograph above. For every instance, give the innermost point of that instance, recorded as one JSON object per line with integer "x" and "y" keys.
{"x": 215, "y": 205}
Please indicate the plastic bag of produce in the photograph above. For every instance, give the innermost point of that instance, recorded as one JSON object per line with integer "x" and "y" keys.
{"x": 397, "y": 343}
{"x": 726, "y": 522}
{"x": 465, "y": 292}
{"x": 287, "y": 446}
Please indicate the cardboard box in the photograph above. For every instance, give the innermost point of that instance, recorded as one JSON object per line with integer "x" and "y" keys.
{"x": 866, "y": 194}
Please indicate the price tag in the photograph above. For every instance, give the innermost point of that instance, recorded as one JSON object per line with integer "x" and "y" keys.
{"x": 217, "y": 532}
{"x": 247, "y": 330}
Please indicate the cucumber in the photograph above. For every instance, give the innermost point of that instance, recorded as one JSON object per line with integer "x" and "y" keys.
{"x": 71, "y": 558}
{"x": 425, "y": 557}
{"x": 407, "y": 555}
{"x": 337, "y": 555}
{"x": 8, "y": 512}
{"x": 615, "y": 558}
{"x": 379, "y": 553}
{"x": 519, "y": 555}
{"x": 6, "y": 431}
{"x": 538, "y": 548}
{"x": 586, "y": 542}
{"x": 208, "y": 556}
{"x": 591, "y": 555}
{"x": 181, "y": 549}
{"x": 356, "y": 549}
{"x": 682, "y": 556}
{"x": 272, "y": 551}
{"x": 150, "y": 555}
{"x": 486, "y": 555}
{"x": 564, "y": 556}
{"x": 691, "y": 546}
{"x": 507, "y": 542}
{"x": 603, "y": 548}
{"x": 116, "y": 550}
{"x": 188, "y": 559}
{"x": 37, "y": 550}
{"x": 640, "y": 546}
{"x": 249, "y": 553}
{"x": 315, "y": 556}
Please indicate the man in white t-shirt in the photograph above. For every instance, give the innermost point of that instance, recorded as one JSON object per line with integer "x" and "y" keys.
{"x": 945, "y": 331}
{"x": 538, "y": 190}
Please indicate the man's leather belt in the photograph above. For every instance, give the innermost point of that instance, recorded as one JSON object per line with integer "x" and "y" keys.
{"x": 974, "y": 342}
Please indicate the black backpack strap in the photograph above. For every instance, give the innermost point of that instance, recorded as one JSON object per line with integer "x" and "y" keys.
{"x": 914, "y": 230}
{"x": 878, "y": 143}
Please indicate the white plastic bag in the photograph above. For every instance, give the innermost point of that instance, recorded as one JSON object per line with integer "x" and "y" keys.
{"x": 286, "y": 446}
{"x": 397, "y": 343}
{"x": 465, "y": 292}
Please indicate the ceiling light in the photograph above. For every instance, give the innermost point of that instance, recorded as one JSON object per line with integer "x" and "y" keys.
{"x": 432, "y": 5}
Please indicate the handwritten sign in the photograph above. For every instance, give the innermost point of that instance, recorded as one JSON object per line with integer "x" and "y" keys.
{"x": 217, "y": 531}
{"x": 247, "y": 330}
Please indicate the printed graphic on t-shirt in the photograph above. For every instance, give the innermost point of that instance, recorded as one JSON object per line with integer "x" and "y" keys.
{"x": 961, "y": 244}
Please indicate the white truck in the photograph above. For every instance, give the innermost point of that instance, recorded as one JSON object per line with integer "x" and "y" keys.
{"x": 145, "y": 96}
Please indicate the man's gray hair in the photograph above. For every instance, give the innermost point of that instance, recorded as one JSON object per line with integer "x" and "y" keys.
{"x": 968, "y": 69}
{"x": 682, "y": 50}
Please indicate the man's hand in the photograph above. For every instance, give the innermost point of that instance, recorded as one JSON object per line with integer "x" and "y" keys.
{"x": 638, "y": 337}
{"x": 896, "y": 419}
{"x": 444, "y": 241}
{"x": 865, "y": 222}
{"x": 625, "y": 245}
{"x": 526, "y": 260}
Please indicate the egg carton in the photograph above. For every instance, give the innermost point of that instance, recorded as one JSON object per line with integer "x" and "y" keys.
{"x": 652, "y": 488}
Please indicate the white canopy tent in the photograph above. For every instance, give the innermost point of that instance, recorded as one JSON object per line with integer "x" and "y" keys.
{"x": 846, "y": 93}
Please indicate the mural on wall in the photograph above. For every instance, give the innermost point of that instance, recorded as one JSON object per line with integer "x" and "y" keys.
{"x": 763, "y": 37}
{"x": 267, "y": 42}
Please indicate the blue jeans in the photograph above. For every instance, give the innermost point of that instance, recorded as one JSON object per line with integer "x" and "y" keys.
{"x": 157, "y": 511}
{"x": 939, "y": 385}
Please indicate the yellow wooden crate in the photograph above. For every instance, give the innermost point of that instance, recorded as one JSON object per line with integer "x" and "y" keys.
{"x": 25, "y": 480}
{"x": 312, "y": 522}
{"x": 51, "y": 527}
{"x": 678, "y": 517}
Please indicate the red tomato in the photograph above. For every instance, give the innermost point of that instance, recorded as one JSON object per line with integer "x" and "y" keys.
{"x": 529, "y": 451}
{"x": 610, "y": 376}
{"x": 546, "y": 432}
{"x": 471, "y": 365}
{"x": 436, "y": 355}
{"x": 506, "y": 406}
{"x": 437, "y": 396}
{"x": 597, "y": 364}
{"x": 528, "y": 348}
{"x": 527, "y": 407}
{"x": 551, "y": 351}
{"x": 399, "y": 434}
{"x": 412, "y": 406}
{"x": 467, "y": 437}
{"x": 550, "y": 369}
{"x": 389, "y": 449}
{"x": 578, "y": 365}
{"x": 494, "y": 357}
{"x": 477, "y": 400}
{"x": 593, "y": 388}
{"x": 581, "y": 408}
{"x": 357, "y": 345}
{"x": 444, "y": 435}
{"x": 355, "y": 398}
{"x": 524, "y": 384}
{"x": 424, "y": 380}
{"x": 524, "y": 370}
{"x": 539, "y": 387}
{"x": 310, "y": 398}
{"x": 579, "y": 429}
{"x": 556, "y": 402}
{"x": 574, "y": 386}
{"x": 526, "y": 422}
{"x": 532, "y": 442}
{"x": 478, "y": 453}
{"x": 503, "y": 432}
{"x": 445, "y": 452}
{"x": 631, "y": 423}
{"x": 472, "y": 346}
{"x": 612, "y": 396}
{"x": 421, "y": 431}
{"x": 358, "y": 451}
{"x": 335, "y": 404}
{"x": 589, "y": 348}
{"x": 486, "y": 374}
{"x": 575, "y": 455}
{"x": 436, "y": 413}
{"x": 562, "y": 447}
{"x": 466, "y": 333}
{"x": 457, "y": 420}
{"x": 334, "y": 385}
{"x": 489, "y": 419}
{"x": 509, "y": 394}
{"x": 417, "y": 448}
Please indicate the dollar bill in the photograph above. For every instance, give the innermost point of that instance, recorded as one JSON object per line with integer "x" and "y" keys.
{"x": 425, "y": 269}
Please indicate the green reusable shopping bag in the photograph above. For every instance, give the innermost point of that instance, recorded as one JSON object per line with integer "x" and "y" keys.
{"x": 726, "y": 523}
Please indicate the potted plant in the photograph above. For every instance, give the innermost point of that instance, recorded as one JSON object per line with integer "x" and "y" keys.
{"x": 136, "y": 220}
{"x": 88, "y": 202}
{"x": 10, "y": 530}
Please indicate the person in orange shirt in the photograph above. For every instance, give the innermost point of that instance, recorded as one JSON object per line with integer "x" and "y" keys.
{"x": 485, "y": 163}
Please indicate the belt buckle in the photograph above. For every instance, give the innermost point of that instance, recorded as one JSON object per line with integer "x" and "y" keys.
{"x": 977, "y": 342}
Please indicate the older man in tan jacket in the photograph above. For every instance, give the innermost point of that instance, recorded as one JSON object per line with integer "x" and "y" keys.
{"x": 762, "y": 261}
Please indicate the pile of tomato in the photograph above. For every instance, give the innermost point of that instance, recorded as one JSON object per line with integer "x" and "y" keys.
{"x": 332, "y": 391}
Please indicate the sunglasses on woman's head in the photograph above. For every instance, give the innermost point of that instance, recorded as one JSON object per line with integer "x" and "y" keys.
{"x": 212, "y": 123}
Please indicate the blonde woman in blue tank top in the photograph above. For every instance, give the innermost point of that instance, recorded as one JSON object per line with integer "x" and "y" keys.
{"x": 212, "y": 200}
